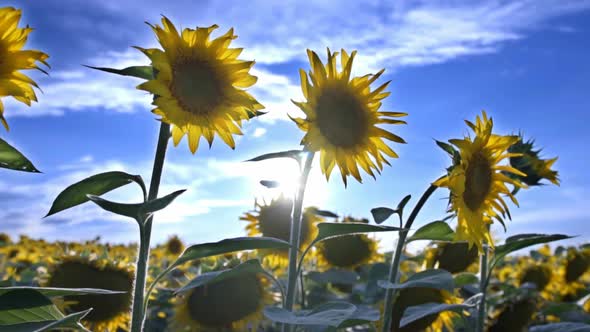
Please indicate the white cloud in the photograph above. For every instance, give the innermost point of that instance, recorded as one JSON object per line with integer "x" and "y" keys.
{"x": 259, "y": 132}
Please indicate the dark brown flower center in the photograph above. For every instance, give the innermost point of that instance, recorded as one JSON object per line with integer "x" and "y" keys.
{"x": 411, "y": 297}
{"x": 174, "y": 246}
{"x": 478, "y": 181}
{"x": 538, "y": 275}
{"x": 275, "y": 221}
{"x": 197, "y": 85}
{"x": 84, "y": 275}
{"x": 346, "y": 251}
{"x": 456, "y": 257}
{"x": 225, "y": 302}
{"x": 341, "y": 116}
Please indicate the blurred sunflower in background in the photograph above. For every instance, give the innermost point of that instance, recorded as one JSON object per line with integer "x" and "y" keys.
{"x": 513, "y": 316}
{"x": 274, "y": 220}
{"x": 198, "y": 83}
{"x": 454, "y": 257}
{"x": 109, "y": 312}
{"x": 342, "y": 117}
{"x": 478, "y": 182}
{"x": 233, "y": 304}
{"x": 349, "y": 251}
{"x": 13, "y": 59}
{"x": 530, "y": 163}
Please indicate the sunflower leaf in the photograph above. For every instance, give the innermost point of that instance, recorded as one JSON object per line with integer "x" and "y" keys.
{"x": 334, "y": 276}
{"x": 248, "y": 267}
{"x": 98, "y": 184}
{"x": 323, "y": 213}
{"x": 521, "y": 241}
{"x": 414, "y": 313}
{"x": 329, "y": 313}
{"x": 11, "y": 158}
{"x": 402, "y": 204}
{"x": 145, "y": 72}
{"x": 381, "y": 214}
{"x": 448, "y": 148}
{"x": 434, "y": 231}
{"x": 327, "y": 230}
{"x": 465, "y": 278}
{"x": 561, "y": 327}
{"x": 29, "y": 310}
{"x": 136, "y": 210}
{"x": 293, "y": 154}
{"x": 435, "y": 278}
{"x": 59, "y": 292}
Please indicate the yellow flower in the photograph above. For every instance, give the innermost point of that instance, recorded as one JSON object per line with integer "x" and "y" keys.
{"x": 109, "y": 312}
{"x": 198, "y": 84}
{"x": 174, "y": 246}
{"x": 478, "y": 181}
{"x": 13, "y": 58}
{"x": 348, "y": 251}
{"x": 342, "y": 115}
{"x": 232, "y": 304}
{"x": 529, "y": 162}
{"x": 274, "y": 220}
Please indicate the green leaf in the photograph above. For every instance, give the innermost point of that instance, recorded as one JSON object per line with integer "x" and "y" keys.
{"x": 465, "y": 278}
{"x": 435, "y": 231}
{"x": 556, "y": 309}
{"x": 328, "y": 230}
{"x": 11, "y": 158}
{"x": 58, "y": 292}
{"x": 29, "y": 310}
{"x": 414, "y": 313}
{"x": 330, "y": 313}
{"x": 435, "y": 278}
{"x": 402, "y": 203}
{"x": 251, "y": 266}
{"x": 334, "y": 276}
{"x": 381, "y": 214}
{"x": 98, "y": 184}
{"x": 362, "y": 315}
{"x": 448, "y": 148}
{"x": 521, "y": 241}
{"x": 145, "y": 72}
{"x": 561, "y": 327}
{"x": 294, "y": 154}
{"x": 137, "y": 210}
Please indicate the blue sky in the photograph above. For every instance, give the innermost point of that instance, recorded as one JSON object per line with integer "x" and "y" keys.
{"x": 525, "y": 62}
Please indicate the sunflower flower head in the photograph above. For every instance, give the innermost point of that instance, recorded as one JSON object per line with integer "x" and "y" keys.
{"x": 530, "y": 163}
{"x": 454, "y": 257}
{"x": 198, "y": 84}
{"x": 342, "y": 117}
{"x": 174, "y": 245}
{"x": 478, "y": 181}
{"x": 13, "y": 59}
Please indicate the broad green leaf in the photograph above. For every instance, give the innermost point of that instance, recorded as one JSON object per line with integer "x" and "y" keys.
{"x": 561, "y": 327}
{"x": 434, "y": 231}
{"x": 330, "y": 313}
{"x": 465, "y": 278}
{"x": 11, "y": 158}
{"x": 381, "y": 214}
{"x": 335, "y": 276}
{"x": 136, "y": 210}
{"x": 402, "y": 203}
{"x": 436, "y": 278}
{"x": 98, "y": 184}
{"x": 145, "y": 72}
{"x": 248, "y": 267}
{"x": 521, "y": 241}
{"x": 294, "y": 154}
{"x": 29, "y": 310}
{"x": 270, "y": 184}
{"x": 58, "y": 292}
{"x": 557, "y": 309}
{"x": 362, "y": 315}
{"x": 414, "y": 313}
{"x": 328, "y": 230}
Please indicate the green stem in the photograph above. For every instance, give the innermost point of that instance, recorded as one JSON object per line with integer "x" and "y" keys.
{"x": 390, "y": 294}
{"x": 481, "y": 318}
{"x": 295, "y": 235}
{"x": 145, "y": 231}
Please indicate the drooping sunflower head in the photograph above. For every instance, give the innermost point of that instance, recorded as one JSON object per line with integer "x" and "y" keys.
{"x": 342, "y": 117}
{"x": 198, "y": 84}
{"x": 530, "y": 163}
{"x": 349, "y": 251}
{"x": 233, "y": 304}
{"x": 174, "y": 245}
{"x": 514, "y": 316}
{"x": 539, "y": 275}
{"x": 274, "y": 220}
{"x": 109, "y": 312}
{"x": 478, "y": 183}
{"x": 13, "y": 59}
{"x": 455, "y": 257}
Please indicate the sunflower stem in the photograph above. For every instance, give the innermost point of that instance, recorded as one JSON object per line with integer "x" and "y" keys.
{"x": 145, "y": 231}
{"x": 481, "y": 318}
{"x": 295, "y": 235}
{"x": 390, "y": 294}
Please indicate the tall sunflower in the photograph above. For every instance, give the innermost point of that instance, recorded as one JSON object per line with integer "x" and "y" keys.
{"x": 342, "y": 117}
{"x": 478, "y": 182}
{"x": 198, "y": 84}
{"x": 13, "y": 59}
{"x": 109, "y": 312}
{"x": 274, "y": 220}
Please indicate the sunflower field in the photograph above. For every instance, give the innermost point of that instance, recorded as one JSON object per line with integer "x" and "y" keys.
{"x": 296, "y": 267}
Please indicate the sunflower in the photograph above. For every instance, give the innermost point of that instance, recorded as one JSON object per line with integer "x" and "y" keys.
{"x": 529, "y": 163}
{"x": 514, "y": 316}
{"x": 349, "y": 251}
{"x": 13, "y": 58}
{"x": 478, "y": 181}
{"x": 454, "y": 257}
{"x": 198, "y": 84}
{"x": 109, "y": 312}
{"x": 174, "y": 246}
{"x": 274, "y": 220}
{"x": 233, "y": 304}
{"x": 342, "y": 115}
